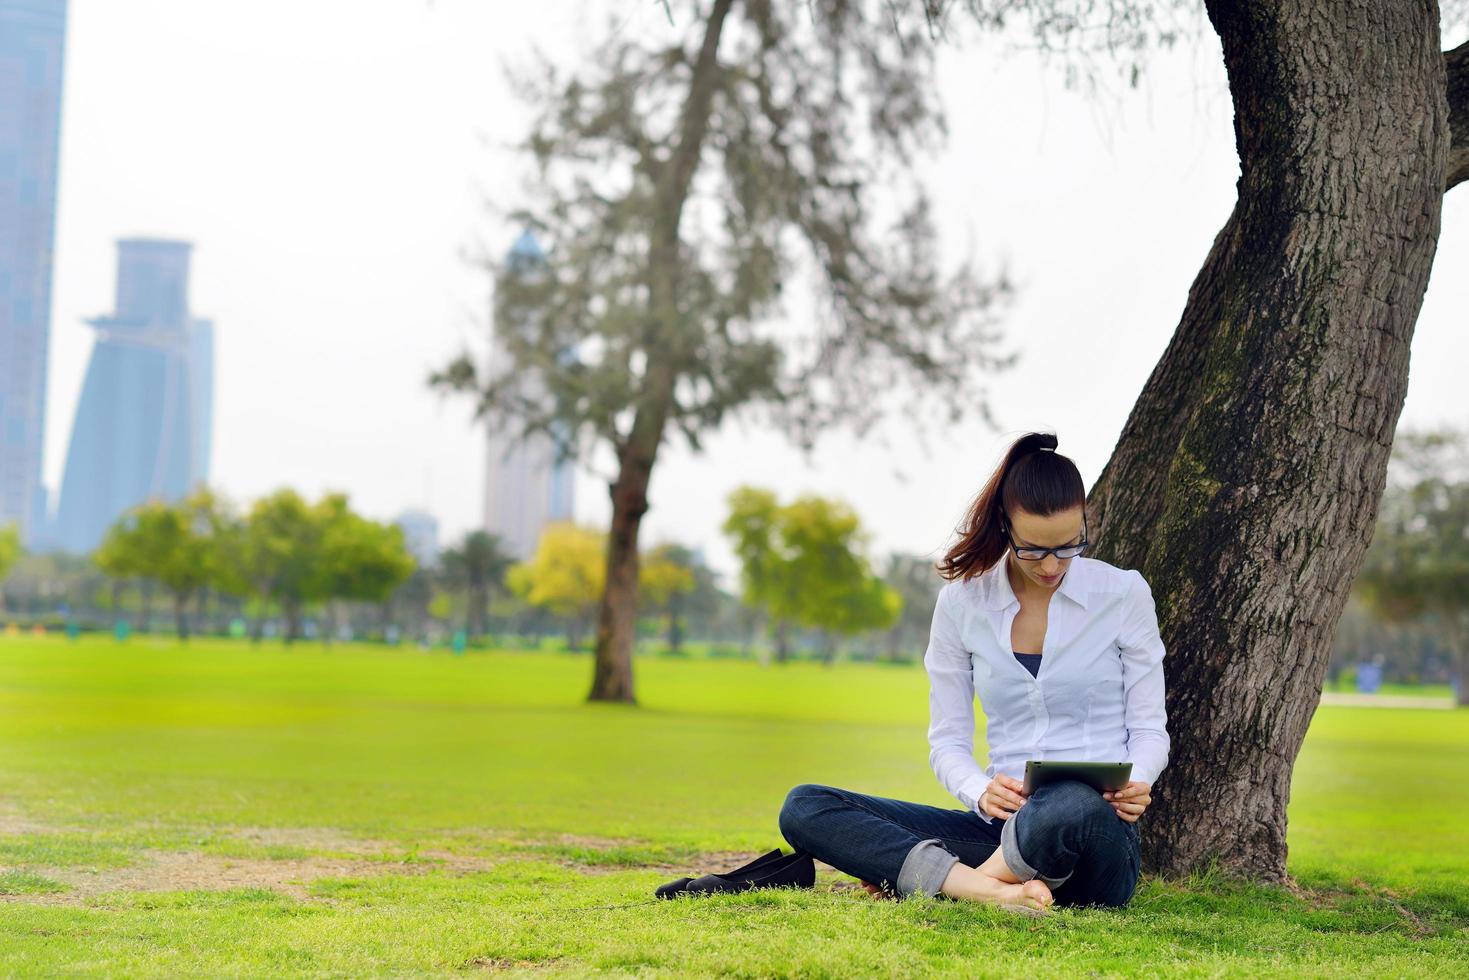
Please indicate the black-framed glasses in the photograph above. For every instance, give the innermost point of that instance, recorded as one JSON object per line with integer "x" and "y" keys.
{"x": 1036, "y": 554}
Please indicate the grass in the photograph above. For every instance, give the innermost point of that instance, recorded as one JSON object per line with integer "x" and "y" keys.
{"x": 222, "y": 809}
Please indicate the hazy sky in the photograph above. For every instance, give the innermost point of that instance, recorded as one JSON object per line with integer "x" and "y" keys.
{"x": 329, "y": 160}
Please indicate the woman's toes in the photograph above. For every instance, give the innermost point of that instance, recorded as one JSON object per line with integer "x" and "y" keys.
{"x": 1038, "y": 893}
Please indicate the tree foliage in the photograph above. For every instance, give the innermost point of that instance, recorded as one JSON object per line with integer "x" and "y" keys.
{"x": 1417, "y": 567}
{"x": 10, "y": 552}
{"x": 567, "y": 572}
{"x": 175, "y": 545}
{"x": 917, "y": 581}
{"x": 804, "y": 563}
{"x": 285, "y": 550}
{"x": 478, "y": 565}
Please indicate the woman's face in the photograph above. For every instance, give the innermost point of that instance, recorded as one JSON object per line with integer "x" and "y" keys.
{"x": 1029, "y": 530}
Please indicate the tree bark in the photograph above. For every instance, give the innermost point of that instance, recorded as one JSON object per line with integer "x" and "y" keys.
{"x": 675, "y": 626}
{"x": 1246, "y": 482}
{"x": 616, "y": 630}
{"x": 181, "y": 614}
{"x": 1459, "y": 638}
{"x": 479, "y": 601}
{"x": 1456, "y": 68}
{"x": 292, "y": 610}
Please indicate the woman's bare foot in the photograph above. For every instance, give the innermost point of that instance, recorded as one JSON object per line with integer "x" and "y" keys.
{"x": 972, "y": 884}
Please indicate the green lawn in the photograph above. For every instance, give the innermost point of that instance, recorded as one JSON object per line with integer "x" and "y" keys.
{"x": 220, "y": 809}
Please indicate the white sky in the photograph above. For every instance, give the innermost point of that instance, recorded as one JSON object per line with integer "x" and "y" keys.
{"x": 329, "y": 158}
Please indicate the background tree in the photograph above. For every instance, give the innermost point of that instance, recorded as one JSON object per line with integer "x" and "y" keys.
{"x": 360, "y": 560}
{"x": 1417, "y": 567}
{"x": 681, "y": 180}
{"x": 667, "y": 575}
{"x": 9, "y": 554}
{"x": 917, "y": 582}
{"x": 138, "y": 545}
{"x": 565, "y": 576}
{"x": 478, "y": 565}
{"x": 185, "y": 547}
{"x": 829, "y": 576}
{"x": 753, "y": 528}
{"x": 804, "y": 564}
{"x": 281, "y": 555}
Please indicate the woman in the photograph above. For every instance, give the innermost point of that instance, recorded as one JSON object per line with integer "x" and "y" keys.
{"x": 1065, "y": 657}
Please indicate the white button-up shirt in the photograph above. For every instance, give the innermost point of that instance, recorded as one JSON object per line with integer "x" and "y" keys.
{"x": 1098, "y": 696}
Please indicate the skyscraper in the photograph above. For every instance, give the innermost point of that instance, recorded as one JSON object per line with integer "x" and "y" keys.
{"x": 142, "y": 427}
{"x": 525, "y": 487}
{"x": 420, "y": 536}
{"x": 32, "y": 44}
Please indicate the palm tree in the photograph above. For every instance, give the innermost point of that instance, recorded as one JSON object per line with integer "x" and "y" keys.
{"x": 478, "y": 565}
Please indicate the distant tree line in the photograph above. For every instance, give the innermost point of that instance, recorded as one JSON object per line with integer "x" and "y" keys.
{"x": 291, "y": 568}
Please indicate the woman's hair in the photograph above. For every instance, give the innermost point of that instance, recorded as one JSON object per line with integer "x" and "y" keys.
{"x": 1033, "y": 478}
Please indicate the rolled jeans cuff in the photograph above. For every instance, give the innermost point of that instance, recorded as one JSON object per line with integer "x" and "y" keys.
{"x": 925, "y": 868}
{"x": 1010, "y": 851}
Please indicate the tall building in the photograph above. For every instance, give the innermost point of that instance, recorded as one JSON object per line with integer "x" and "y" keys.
{"x": 32, "y": 44}
{"x": 143, "y": 424}
{"x": 525, "y": 487}
{"x": 420, "y": 536}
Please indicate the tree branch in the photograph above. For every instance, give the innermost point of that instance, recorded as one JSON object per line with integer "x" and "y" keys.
{"x": 1457, "y": 64}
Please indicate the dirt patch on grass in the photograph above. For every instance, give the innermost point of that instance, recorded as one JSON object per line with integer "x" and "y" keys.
{"x": 505, "y": 963}
{"x": 13, "y": 823}
{"x": 173, "y": 871}
{"x": 168, "y": 871}
{"x": 339, "y": 855}
{"x": 161, "y": 870}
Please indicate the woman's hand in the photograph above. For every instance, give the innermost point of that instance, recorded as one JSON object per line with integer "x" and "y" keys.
{"x": 1131, "y": 800}
{"x": 1003, "y": 796}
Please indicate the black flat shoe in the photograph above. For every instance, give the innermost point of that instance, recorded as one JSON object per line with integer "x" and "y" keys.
{"x": 753, "y": 869}
{"x": 796, "y": 870}
{"x": 671, "y": 888}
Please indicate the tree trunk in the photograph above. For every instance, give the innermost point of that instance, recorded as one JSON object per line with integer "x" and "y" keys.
{"x": 782, "y": 641}
{"x": 617, "y": 618}
{"x": 1246, "y": 482}
{"x": 292, "y": 609}
{"x": 479, "y": 601}
{"x": 616, "y": 629}
{"x": 675, "y": 625}
{"x": 1456, "y": 66}
{"x": 181, "y": 614}
{"x": 1459, "y": 638}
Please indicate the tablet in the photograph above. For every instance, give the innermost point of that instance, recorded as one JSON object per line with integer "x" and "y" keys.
{"x": 1100, "y": 776}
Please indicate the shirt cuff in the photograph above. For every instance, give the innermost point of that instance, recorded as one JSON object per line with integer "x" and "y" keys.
{"x": 983, "y": 787}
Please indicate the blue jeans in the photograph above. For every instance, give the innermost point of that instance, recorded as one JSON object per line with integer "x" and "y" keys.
{"x": 1066, "y": 835}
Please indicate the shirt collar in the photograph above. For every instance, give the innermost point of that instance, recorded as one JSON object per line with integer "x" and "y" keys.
{"x": 999, "y": 595}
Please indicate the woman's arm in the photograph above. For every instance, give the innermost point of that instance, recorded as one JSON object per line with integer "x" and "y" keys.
{"x": 951, "y": 709}
{"x": 1142, "y": 683}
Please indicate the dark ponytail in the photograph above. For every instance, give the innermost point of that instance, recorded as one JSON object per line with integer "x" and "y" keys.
{"x": 1034, "y": 478}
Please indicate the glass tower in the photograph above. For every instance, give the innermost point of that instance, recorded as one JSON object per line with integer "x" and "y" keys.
{"x": 526, "y": 487}
{"x": 32, "y": 43}
{"x": 142, "y": 427}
